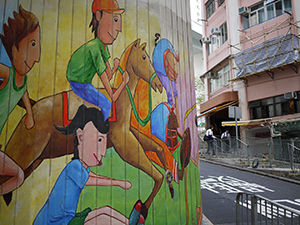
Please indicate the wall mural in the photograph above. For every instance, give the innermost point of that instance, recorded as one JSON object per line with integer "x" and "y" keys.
{"x": 97, "y": 114}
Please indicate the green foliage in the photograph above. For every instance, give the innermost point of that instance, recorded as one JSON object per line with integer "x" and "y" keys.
{"x": 200, "y": 90}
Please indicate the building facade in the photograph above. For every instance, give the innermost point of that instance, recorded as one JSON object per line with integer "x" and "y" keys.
{"x": 252, "y": 61}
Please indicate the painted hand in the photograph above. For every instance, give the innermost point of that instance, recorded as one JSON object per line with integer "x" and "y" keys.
{"x": 125, "y": 77}
{"x": 116, "y": 63}
{"x": 125, "y": 185}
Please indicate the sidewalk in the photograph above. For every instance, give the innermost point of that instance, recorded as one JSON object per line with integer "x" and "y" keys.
{"x": 277, "y": 173}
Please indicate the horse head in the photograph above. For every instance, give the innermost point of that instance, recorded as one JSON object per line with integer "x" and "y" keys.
{"x": 141, "y": 65}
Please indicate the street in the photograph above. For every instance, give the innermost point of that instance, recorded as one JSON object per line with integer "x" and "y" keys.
{"x": 220, "y": 185}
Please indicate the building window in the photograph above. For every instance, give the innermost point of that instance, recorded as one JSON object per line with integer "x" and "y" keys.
{"x": 220, "y": 78}
{"x": 218, "y": 40}
{"x": 275, "y": 106}
{"x": 264, "y": 11}
{"x": 223, "y": 33}
{"x": 210, "y": 8}
{"x": 220, "y": 2}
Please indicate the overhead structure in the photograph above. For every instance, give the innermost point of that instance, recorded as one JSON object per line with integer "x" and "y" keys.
{"x": 268, "y": 51}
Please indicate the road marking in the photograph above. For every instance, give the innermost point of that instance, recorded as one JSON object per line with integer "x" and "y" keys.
{"x": 296, "y": 202}
{"x": 230, "y": 184}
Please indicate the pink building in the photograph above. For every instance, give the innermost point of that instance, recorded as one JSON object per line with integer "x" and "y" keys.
{"x": 252, "y": 61}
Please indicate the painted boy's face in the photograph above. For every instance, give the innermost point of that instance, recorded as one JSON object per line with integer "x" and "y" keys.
{"x": 29, "y": 52}
{"x": 92, "y": 145}
{"x": 109, "y": 27}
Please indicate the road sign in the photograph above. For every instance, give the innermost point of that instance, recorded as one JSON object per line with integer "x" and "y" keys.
{"x": 238, "y": 112}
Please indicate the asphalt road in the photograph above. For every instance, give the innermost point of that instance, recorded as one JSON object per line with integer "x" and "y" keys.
{"x": 220, "y": 185}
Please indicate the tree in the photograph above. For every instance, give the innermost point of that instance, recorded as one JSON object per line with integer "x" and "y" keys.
{"x": 200, "y": 92}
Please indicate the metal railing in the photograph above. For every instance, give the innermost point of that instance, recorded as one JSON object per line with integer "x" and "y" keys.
{"x": 281, "y": 153}
{"x": 294, "y": 153}
{"x": 288, "y": 152}
{"x": 255, "y": 209}
{"x": 201, "y": 145}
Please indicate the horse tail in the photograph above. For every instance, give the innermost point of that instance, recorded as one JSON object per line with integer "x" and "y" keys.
{"x": 187, "y": 113}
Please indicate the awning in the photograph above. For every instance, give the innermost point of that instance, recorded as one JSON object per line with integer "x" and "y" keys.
{"x": 219, "y": 100}
{"x": 218, "y": 108}
{"x": 243, "y": 123}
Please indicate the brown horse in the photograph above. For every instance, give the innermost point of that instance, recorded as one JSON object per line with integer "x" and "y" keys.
{"x": 28, "y": 148}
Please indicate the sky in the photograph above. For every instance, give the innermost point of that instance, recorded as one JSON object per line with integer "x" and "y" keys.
{"x": 196, "y": 15}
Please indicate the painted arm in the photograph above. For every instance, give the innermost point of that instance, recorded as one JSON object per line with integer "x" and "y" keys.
{"x": 110, "y": 72}
{"x": 29, "y": 121}
{"x": 212, "y": 134}
{"x": 10, "y": 169}
{"x": 99, "y": 180}
{"x": 4, "y": 75}
{"x": 114, "y": 95}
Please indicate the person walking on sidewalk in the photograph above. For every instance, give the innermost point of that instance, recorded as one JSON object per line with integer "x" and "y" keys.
{"x": 210, "y": 143}
{"x": 225, "y": 139}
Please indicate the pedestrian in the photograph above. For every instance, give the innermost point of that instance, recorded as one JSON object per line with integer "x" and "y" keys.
{"x": 225, "y": 139}
{"x": 210, "y": 142}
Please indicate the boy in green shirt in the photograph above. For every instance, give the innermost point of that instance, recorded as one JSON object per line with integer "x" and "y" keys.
{"x": 92, "y": 57}
{"x": 21, "y": 40}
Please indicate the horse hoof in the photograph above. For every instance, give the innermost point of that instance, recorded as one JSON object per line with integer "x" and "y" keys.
{"x": 135, "y": 213}
{"x": 185, "y": 148}
{"x": 168, "y": 177}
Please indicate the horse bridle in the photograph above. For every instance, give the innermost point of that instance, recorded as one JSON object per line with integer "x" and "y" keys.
{"x": 135, "y": 112}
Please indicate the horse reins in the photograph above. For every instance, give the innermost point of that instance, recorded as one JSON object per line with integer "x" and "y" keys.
{"x": 135, "y": 112}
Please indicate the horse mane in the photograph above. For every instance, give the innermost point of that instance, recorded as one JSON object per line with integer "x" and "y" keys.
{"x": 123, "y": 62}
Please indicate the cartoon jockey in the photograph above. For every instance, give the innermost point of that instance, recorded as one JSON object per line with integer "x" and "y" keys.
{"x": 165, "y": 61}
{"x": 92, "y": 57}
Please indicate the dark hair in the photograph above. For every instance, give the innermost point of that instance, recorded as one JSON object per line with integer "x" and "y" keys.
{"x": 95, "y": 23}
{"x": 211, "y": 126}
{"x": 18, "y": 28}
{"x": 82, "y": 117}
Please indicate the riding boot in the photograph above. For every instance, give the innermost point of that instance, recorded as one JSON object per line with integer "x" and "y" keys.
{"x": 135, "y": 213}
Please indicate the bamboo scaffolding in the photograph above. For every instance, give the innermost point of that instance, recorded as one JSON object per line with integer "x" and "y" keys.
{"x": 263, "y": 36}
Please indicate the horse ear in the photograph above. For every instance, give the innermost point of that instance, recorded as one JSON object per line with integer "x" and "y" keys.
{"x": 137, "y": 43}
{"x": 143, "y": 46}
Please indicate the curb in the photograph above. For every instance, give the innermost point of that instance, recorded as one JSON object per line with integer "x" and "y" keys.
{"x": 206, "y": 221}
{"x": 252, "y": 171}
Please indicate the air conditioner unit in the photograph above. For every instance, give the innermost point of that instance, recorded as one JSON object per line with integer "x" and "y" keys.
{"x": 216, "y": 31}
{"x": 243, "y": 11}
{"x": 206, "y": 40}
{"x": 290, "y": 95}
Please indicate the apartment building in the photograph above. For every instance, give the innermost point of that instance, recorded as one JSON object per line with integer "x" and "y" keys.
{"x": 252, "y": 61}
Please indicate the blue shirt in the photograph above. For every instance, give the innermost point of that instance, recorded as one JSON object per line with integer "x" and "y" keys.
{"x": 61, "y": 204}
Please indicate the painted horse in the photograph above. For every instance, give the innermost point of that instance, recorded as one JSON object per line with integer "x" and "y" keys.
{"x": 28, "y": 148}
